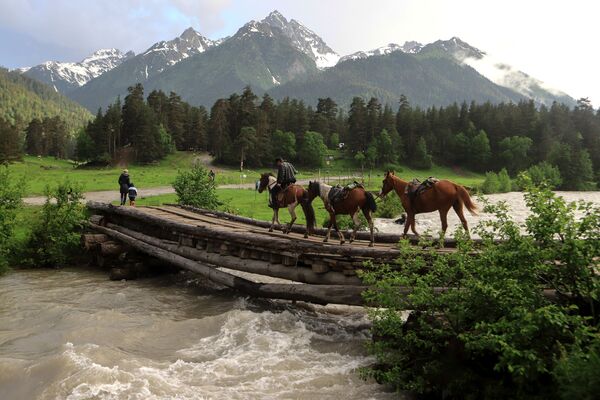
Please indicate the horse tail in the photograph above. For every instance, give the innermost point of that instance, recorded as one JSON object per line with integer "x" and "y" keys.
{"x": 371, "y": 201}
{"x": 309, "y": 213}
{"x": 463, "y": 196}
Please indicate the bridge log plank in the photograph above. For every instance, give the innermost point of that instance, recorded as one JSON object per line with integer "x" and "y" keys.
{"x": 304, "y": 275}
{"x": 319, "y": 294}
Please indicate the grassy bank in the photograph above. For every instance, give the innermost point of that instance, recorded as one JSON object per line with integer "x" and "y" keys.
{"x": 39, "y": 172}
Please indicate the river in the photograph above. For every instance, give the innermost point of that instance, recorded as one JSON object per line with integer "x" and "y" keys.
{"x": 73, "y": 334}
{"x": 430, "y": 222}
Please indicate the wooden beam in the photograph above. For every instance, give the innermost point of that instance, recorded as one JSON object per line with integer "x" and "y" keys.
{"x": 320, "y": 294}
{"x": 360, "y": 235}
{"x": 272, "y": 243}
{"x": 298, "y": 274}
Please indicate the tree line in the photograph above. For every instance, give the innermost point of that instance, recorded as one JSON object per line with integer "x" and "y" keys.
{"x": 251, "y": 131}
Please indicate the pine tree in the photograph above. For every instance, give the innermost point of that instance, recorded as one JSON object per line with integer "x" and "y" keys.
{"x": 218, "y": 129}
{"x": 10, "y": 142}
{"x": 175, "y": 121}
{"x": 357, "y": 126}
{"x": 34, "y": 138}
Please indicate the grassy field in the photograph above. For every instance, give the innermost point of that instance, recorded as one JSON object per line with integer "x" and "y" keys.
{"x": 39, "y": 172}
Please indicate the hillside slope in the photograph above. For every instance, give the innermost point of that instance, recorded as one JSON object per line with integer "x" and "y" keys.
{"x": 23, "y": 98}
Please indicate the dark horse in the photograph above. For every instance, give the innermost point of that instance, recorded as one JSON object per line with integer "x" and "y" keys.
{"x": 443, "y": 195}
{"x": 292, "y": 196}
{"x": 357, "y": 199}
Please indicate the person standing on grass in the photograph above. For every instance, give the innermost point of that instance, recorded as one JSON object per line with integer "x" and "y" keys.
{"x": 132, "y": 192}
{"x": 124, "y": 186}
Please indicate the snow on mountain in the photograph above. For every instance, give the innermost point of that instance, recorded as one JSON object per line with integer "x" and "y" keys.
{"x": 64, "y": 76}
{"x": 186, "y": 45}
{"x": 407, "y": 47}
{"x": 303, "y": 39}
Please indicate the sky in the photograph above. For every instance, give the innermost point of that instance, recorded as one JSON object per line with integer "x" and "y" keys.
{"x": 554, "y": 41}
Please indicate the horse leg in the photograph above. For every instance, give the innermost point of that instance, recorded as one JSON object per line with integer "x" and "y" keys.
{"x": 459, "y": 211}
{"x": 409, "y": 217}
{"x": 413, "y": 224}
{"x": 273, "y": 220}
{"x": 291, "y": 209}
{"x": 331, "y": 219}
{"x": 356, "y": 222}
{"x": 337, "y": 230}
{"x": 444, "y": 220}
{"x": 367, "y": 214}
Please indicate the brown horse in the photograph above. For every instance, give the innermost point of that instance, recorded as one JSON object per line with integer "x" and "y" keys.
{"x": 357, "y": 199}
{"x": 292, "y": 196}
{"x": 443, "y": 195}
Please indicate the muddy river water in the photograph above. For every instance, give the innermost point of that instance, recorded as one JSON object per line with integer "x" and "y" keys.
{"x": 73, "y": 334}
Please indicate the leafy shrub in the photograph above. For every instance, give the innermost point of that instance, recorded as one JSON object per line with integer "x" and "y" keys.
{"x": 389, "y": 207}
{"x": 577, "y": 373}
{"x": 504, "y": 182}
{"x": 54, "y": 239}
{"x": 491, "y": 184}
{"x": 392, "y": 167}
{"x": 10, "y": 200}
{"x": 195, "y": 188}
{"x": 545, "y": 173}
{"x": 492, "y": 332}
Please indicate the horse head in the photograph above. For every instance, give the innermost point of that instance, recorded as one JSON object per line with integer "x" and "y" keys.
{"x": 388, "y": 184}
{"x": 313, "y": 190}
{"x": 264, "y": 181}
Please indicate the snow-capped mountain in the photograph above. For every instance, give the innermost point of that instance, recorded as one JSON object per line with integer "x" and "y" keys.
{"x": 65, "y": 76}
{"x": 498, "y": 72}
{"x": 408, "y": 47}
{"x": 304, "y": 40}
{"x": 166, "y": 53}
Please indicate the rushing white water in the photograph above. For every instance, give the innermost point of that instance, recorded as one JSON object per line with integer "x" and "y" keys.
{"x": 72, "y": 334}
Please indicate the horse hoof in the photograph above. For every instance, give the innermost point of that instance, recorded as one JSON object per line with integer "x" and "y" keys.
{"x": 270, "y": 229}
{"x": 305, "y": 236}
{"x": 325, "y": 240}
{"x": 342, "y": 242}
{"x": 371, "y": 244}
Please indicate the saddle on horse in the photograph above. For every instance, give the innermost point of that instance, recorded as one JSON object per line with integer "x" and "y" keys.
{"x": 415, "y": 188}
{"x": 339, "y": 193}
{"x": 276, "y": 200}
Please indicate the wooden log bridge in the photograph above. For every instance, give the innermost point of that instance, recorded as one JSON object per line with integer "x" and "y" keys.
{"x": 216, "y": 245}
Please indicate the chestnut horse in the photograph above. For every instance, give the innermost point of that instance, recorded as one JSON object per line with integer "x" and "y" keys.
{"x": 293, "y": 195}
{"x": 357, "y": 199}
{"x": 443, "y": 195}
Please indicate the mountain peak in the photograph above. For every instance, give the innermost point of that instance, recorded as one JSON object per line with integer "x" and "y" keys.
{"x": 189, "y": 33}
{"x": 275, "y": 18}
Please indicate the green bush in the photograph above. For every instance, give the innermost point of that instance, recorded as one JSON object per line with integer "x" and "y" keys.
{"x": 10, "y": 200}
{"x": 491, "y": 184}
{"x": 545, "y": 173}
{"x": 389, "y": 207}
{"x": 504, "y": 182}
{"x": 54, "y": 239}
{"x": 195, "y": 188}
{"x": 493, "y": 333}
{"x": 578, "y": 374}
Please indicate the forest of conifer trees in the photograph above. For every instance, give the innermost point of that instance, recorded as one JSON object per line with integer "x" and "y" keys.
{"x": 253, "y": 131}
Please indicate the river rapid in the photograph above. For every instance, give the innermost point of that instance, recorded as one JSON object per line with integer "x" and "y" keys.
{"x": 73, "y": 334}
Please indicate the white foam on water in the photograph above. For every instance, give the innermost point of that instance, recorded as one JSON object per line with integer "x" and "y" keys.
{"x": 254, "y": 355}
